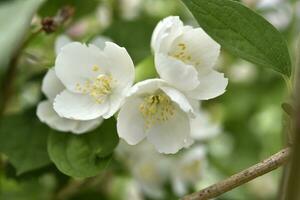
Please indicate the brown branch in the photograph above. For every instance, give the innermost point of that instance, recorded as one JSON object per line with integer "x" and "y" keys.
{"x": 242, "y": 177}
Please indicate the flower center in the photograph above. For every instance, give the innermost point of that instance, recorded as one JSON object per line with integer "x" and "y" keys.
{"x": 148, "y": 172}
{"x": 192, "y": 168}
{"x": 98, "y": 89}
{"x": 181, "y": 52}
{"x": 156, "y": 109}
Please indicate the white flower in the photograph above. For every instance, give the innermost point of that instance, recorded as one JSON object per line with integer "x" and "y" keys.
{"x": 132, "y": 191}
{"x": 96, "y": 80}
{"x": 187, "y": 171}
{"x": 156, "y": 111}
{"x": 202, "y": 127}
{"x": 185, "y": 57}
{"x": 150, "y": 176}
{"x": 51, "y": 86}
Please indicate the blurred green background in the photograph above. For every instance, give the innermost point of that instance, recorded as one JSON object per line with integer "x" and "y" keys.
{"x": 249, "y": 112}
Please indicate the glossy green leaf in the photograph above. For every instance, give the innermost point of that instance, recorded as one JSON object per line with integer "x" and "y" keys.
{"x": 83, "y": 155}
{"x": 15, "y": 18}
{"x": 23, "y": 138}
{"x": 242, "y": 32}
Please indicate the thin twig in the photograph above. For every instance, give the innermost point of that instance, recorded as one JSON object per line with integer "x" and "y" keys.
{"x": 242, "y": 177}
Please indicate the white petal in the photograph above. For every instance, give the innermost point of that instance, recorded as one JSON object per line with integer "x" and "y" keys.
{"x": 60, "y": 42}
{"x": 47, "y": 115}
{"x": 178, "y": 185}
{"x": 121, "y": 66}
{"x": 51, "y": 85}
{"x": 77, "y": 106}
{"x": 115, "y": 101}
{"x": 201, "y": 48}
{"x": 130, "y": 123}
{"x": 212, "y": 84}
{"x": 147, "y": 86}
{"x": 176, "y": 72}
{"x": 164, "y": 28}
{"x": 196, "y": 153}
{"x": 178, "y": 98}
{"x": 86, "y": 126}
{"x": 100, "y": 41}
{"x": 75, "y": 64}
{"x": 202, "y": 128}
{"x": 172, "y": 135}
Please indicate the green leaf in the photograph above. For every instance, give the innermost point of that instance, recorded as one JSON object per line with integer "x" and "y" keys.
{"x": 242, "y": 32}
{"x": 23, "y": 138}
{"x": 84, "y": 155}
{"x": 15, "y": 18}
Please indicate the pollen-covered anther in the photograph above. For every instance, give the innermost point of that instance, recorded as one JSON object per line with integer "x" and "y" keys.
{"x": 181, "y": 53}
{"x": 156, "y": 108}
{"x": 95, "y": 68}
{"x": 98, "y": 89}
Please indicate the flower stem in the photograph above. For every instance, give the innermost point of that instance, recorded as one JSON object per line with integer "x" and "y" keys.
{"x": 242, "y": 177}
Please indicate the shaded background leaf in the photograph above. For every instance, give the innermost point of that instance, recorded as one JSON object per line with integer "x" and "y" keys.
{"x": 83, "y": 155}
{"x": 23, "y": 138}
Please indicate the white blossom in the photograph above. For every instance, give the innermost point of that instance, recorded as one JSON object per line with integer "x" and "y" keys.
{"x": 51, "y": 87}
{"x": 150, "y": 176}
{"x": 202, "y": 126}
{"x": 187, "y": 170}
{"x": 152, "y": 171}
{"x": 185, "y": 57}
{"x": 96, "y": 80}
{"x": 158, "y": 112}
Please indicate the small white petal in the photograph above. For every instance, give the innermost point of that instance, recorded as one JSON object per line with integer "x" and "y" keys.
{"x": 147, "y": 86}
{"x": 196, "y": 153}
{"x": 51, "y": 85}
{"x": 75, "y": 63}
{"x": 100, "y": 41}
{"x": 176, "y": 72}
{"x": 178, "y": 185}
{"x": 46, "y": 114}
{"x": 86, "y": 126}
{"x": 121, "y": 66}
{"x": 130, "y": 123}
{"x": 172, "y": 135}
{"x": 60, "y": 42}
{"x": 202, "y": 128}
{"x": 78, "y": 106}
{"x": 178, "y": 98}
{"x": 212, "y": 84}
{"x": 115, "y": 101}
{"x": 201, "y": 49}
{"x": 166, "y": 26}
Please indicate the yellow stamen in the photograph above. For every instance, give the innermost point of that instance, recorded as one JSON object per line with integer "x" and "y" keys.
{"x": 95, "y": 68}
{"x": 156, "y": 108}
{"x": 98, "y": 89}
